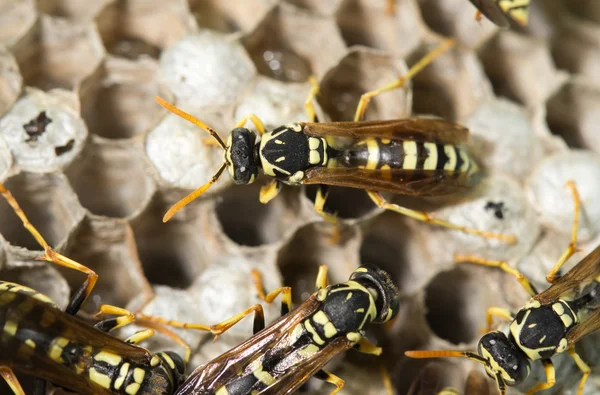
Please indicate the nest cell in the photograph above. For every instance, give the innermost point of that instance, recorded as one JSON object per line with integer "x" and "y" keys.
{"x": 230, "y": 16}
{"x": 11, "y": 80}
{"x": 72, "y": 9}
{"x": 16, "y": 20}
{"x": 575, "y": 47}
{"x": 43, "y": 130}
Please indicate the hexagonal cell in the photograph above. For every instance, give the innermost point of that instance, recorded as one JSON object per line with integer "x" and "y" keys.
{"x": 584, "y": 9}
{"x": 575, "y": 47}
{"x": 571, "y": 113}
{"x": 276, "y": 103}
{"x": 106, "y": 246}
{"x": 110, "y": 179}
{"x": 11, "y": 80}
{"x": 179, "y": 152}
{"x": 521, "y": 68}
{"x": 281, "y": 48}
{"x": 548, "y": 194}
{"x": 458, "y": 19}
{"x": 16, "y": 19}
{"x": 72, "y": 9}
{"x": 228, "y": 16}
{"x": 248, "y": 222}
{"x": 137, "y": 28}
{"x": 347, "y": 203}
{"x": 364, "y": 22}
{"x": 58, "y": 53}
{"x": 206, "y": 69}
{"x": 452, "y": 86}
{"x": 49, "y": 203}
{"x": 43, "y": 130}
{"x": 117, "y": 101}
{"x": 311, "y": 246}
{"x": 498, "y": 127}
{"x": 360, "y": 71}
{"x": 172, "y": 254}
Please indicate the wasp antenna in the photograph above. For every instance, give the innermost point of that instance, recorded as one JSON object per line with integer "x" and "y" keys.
{"x": 192, "y": 196}
{"x": 177, "y": 111}
{"x": 445, "y": 354}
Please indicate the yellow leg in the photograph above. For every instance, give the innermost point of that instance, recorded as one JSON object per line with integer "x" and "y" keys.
{"x": 498, "y": 312}
{"x": 366, "y": 347}
{"x": 320, "y": 206}
{"x": 321, "y": 281}
{"x": 126, "y": 317}
{"x": 52, "y": 256}
{"x": 330, "y": 378}
{"x": 584, "y": 367}
{"x": 420, "y": 65}
{"x": 449, "y": 391}
{"x": 216, "y": 329}
{"x": 312, "y": 94}
{"x": 550, "y": 378}
{"x": 140, "y": 336}
{"x": 155, "y": 323}
{"x": 260, "y": 126}
{"x": 11, "y": 380}
{"x": 423, "y": 216}
{"x": 269, "y": 191}
{"x": 387, "y": 381}
{"x": 501, "y": 265}
{"x": 551, "y": 276}
{"x": 286, "y": 293}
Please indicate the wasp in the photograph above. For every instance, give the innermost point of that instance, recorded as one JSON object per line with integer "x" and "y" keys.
{"x": 280, "y": 358}
{"x": 41, "y": 340}
{"x": 415, "y": 156}
{"x": 499, "y": 11}
{"x": 552, "y": 322}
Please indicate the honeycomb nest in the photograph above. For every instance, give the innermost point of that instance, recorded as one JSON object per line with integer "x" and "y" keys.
{"x": 105, "y": 162}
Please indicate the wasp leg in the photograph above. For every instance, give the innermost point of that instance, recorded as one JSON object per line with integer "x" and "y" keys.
{"x": 81, "y": 294}
{"x": 498, "y": 312}
{"x": 140, "y": 336}
{"x": 258, "y": 124}
{"x": 501, "y": 265}
{"x": 309, "y": 106}
{"x": 269, "y": 191}
{"x": 551, "y": 276}
{"x": 320, "y": 198}
{"x": 585, "y": 369}
{"x": 286, "y": 294}
{"x": 387, "y": 381}
{"x": 550, "y": 378}
{"x": 415, "y": 69}
{"x": 11, "y": 380}
{"x": 126, "y": 317}
{"x": 330, "y": 378}
{"x": 217, "y": 329}
{"x": 423, "y": 216}
{"x": 154, "y": 323}
{"x": 366, "y": 347}
{"x": 321, "y": 281}
{"x": 449, "y": 391}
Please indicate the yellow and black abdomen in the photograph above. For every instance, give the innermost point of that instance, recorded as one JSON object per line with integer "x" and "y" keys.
{"x": 386, "y": 154}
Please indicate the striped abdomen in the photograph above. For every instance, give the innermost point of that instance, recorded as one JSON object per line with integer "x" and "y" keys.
{"x": 377, "y": 153}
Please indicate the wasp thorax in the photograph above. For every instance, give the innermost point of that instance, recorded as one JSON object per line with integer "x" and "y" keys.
{"x": 241, "y": 156}
{"x": 383, "y": 289}
{"x": 504, "y": 358}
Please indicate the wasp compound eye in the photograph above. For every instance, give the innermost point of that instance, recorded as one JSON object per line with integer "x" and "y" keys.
{"x": 240, "y": 156}
{"x": 504, "y": 358}
{"x": 387, "y": 298}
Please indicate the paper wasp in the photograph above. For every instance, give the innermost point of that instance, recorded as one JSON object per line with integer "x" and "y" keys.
{"x": 499, "y": 11}
{"x": 280, "y": 358}
{"x": 414, "y": 156}
{"x": 553, "y": 321}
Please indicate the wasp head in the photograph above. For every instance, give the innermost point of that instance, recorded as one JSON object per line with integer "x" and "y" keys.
{"x": 382, "y": 288}
{"x": 505, "y": 360}
{"x": 241, "y": 156}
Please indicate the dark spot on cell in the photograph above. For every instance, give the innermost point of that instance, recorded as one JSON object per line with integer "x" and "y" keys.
{"x": 36, "y": 127}
{"x": 63, "y": 149}
{"x": 497, "y": 208}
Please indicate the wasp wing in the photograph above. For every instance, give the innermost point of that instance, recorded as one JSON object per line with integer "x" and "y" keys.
{"x": 492, "y": 11}
{"x": 305, "y": 369}
{"x": 209, "y": 377}
{"x": 432, "y": 130}
{"x": 573, "y": 282}
{"x": 590, "y": 324}
{"x": 399, "y": 181}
